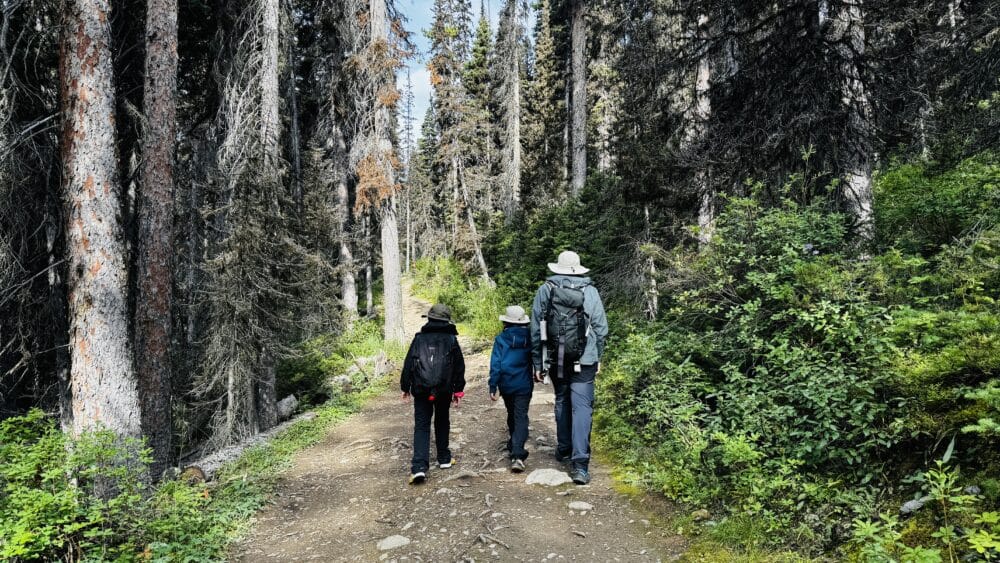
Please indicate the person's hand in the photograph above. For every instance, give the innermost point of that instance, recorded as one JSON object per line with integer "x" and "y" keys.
{"x": 598, "y": 367}
{"x": 539, "y": 377}
{"x": 494, "y": 396}
{"x": 406, "y": 395}
{"x": 457, "y": 398}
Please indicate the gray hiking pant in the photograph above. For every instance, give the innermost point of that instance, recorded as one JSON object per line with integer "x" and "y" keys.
{"x": 574, "y": 413}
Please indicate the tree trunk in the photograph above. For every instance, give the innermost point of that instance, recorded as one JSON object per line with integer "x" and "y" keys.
{"x": 267, "y": 402}
{"x": 847, "y": 36}
{"x": 579, "y": 100}
{"x": 369, "y": 270}
{"x": 102, "y": 373}
{"x": 514, "y": 139}
{"x": 270, "y": 102}
{"x": 652, "y": 291}
{"x": 348, "y": 284}
{"x": 460, "y": 179}
{"x": 156, "y": 229}
{"x": 392, "y": 292}
{"x": 703, "y": 112}
{"x": 295, "y": 132}
{"x": 392, "y": 289}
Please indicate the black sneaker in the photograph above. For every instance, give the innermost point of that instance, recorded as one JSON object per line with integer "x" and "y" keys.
{"x": 563, "y": 458}
{"x": 580, "y": 476}
{"x": 517, "y": 465}
{"x": 418, "y": 478}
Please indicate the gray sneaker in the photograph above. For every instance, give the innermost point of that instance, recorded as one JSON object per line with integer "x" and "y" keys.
{"x": 517, "y": 465}
{"x": 580, "y": 476}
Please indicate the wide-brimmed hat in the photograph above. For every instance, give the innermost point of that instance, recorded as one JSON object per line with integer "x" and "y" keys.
{"x": 439, "y": 312}
{"x": 515, "y": 316}
{"x": 568, "y": 264}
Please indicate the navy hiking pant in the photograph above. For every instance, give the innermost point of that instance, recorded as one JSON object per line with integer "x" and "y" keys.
{"x": 517, "y": 424}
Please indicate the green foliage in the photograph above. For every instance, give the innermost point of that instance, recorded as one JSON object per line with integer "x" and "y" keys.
{"x": 308, "y": 374}
{"x": 960, "y": 532}
{"x": 920, "y": 208}
{"x": 765, "y": 384}
{"x": 74, "y": 499}
{"x": 475, "y": 304}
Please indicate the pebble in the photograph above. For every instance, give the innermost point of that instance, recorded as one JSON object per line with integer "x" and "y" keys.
{"x": 580, "y": 505}
{"x": 392, "y": 542}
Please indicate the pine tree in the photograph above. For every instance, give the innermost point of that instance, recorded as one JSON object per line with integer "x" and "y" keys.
{"x": 511, "y": 72}
{"x": 544, "y": 117}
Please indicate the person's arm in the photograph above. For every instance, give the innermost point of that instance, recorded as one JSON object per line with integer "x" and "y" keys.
{"x": 458, "y": 369}
{"x": 406, "y": 376}
{"x": 495, "y": 357}
{"x": 537, "y": 314}
{"x": 598, "y": 322}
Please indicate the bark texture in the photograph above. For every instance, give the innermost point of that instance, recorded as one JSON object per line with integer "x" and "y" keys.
{"x": 155, "y": 242}
{"x": 846, "y": 34}
{"x": 102, "y": 374}
{"x": 579, "y": 100}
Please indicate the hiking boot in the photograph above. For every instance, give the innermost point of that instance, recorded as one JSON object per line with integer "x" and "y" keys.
{"x": 517, "y": 465}
{"x": 580, "y": 476}
{"x": 418, "y": 478}
{"x": 563, "y": 458}
{"x": 447, "y": 464}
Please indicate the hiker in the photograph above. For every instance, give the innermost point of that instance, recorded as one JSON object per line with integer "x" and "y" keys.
{"x": 511, "y": 378}
{"x": 434, "y": 375}
{"x": 568, "y": 332}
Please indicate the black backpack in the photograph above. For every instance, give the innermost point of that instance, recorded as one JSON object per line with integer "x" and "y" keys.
{"x": 432, "y": 364}
{"x": 566, "y": 323}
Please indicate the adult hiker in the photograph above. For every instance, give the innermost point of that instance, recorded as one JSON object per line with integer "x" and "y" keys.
{"x": 568, "y": 332}
{"x": 511, "y": 378}
{"x": 434, "y": 375}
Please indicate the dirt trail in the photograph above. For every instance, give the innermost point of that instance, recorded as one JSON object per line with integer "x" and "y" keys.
{"x": 345, "y": 495}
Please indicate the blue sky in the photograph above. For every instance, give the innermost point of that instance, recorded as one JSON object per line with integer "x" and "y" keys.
{"x": 420, "y": 16}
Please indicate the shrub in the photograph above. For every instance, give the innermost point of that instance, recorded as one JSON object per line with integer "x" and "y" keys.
{"x": 475, "y": 305}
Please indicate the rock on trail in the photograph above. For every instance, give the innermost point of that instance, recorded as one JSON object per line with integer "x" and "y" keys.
{"x": 346, "y": 498}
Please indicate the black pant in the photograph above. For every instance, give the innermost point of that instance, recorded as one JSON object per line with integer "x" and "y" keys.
{"x": 423, "y": 411}
{"x": 517, "y": 424}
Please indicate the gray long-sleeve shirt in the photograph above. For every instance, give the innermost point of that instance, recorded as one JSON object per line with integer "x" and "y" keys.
{"x": 593, "y": 307}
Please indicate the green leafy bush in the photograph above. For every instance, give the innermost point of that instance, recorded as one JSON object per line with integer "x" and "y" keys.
{"x": 766, "y": 380}
{"x": 919, "y": 208}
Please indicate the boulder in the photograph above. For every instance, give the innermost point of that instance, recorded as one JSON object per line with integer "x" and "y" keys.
{"x": 548, "y": 477}
{"x": 287, "y": 406}
{"x": 392, "y": 542}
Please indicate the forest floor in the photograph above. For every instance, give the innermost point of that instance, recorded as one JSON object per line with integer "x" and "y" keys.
{"x": 347, "y": 497}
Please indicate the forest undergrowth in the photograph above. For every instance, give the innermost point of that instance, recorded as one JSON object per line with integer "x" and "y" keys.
{"x": 51, "y": 510}
{"x": 798, "y": 387}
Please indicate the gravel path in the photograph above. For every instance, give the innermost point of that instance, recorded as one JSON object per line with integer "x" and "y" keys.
{"x": 346, "y": 498}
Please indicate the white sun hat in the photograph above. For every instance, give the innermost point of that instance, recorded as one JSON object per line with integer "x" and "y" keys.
{"x": 515, "y": 315}
{"x": 568, "y": 264}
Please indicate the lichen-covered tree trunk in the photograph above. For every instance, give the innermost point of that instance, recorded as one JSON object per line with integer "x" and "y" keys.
{"x": 579, "y": 109}
{"x": 270, "y": 103}
{"x": 703, "y": 112}
{"x": 155, "y": 242}
{"x": 847, "y": 36}
{"x": 102, "y": 372}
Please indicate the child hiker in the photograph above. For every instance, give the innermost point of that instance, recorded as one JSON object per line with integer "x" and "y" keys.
{"x": 434, "y": 375}
{"x": 511, "y": 378}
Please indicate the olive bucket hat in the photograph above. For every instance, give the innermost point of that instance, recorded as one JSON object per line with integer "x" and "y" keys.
{"x": 439, "y": 312}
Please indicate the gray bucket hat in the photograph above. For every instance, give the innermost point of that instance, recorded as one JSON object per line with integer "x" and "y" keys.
{"x": 568, "y": 264}
{"x": 515, "y": 315}
{"x": 439, "y": 312}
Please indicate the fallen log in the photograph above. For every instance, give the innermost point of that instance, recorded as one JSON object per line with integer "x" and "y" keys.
{"x": 209, "y": 465}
